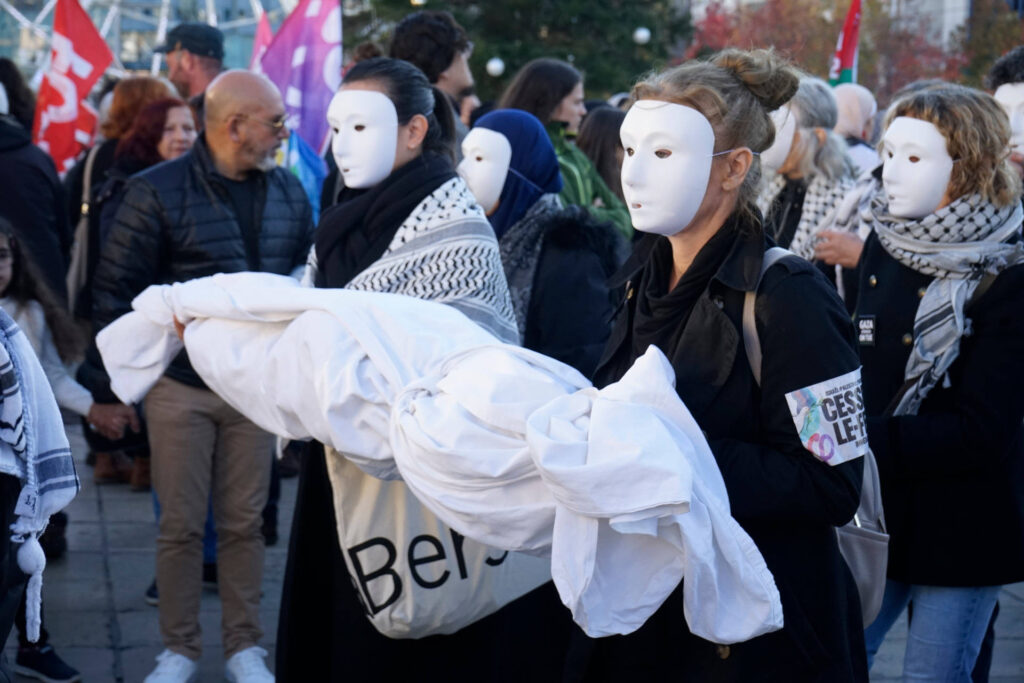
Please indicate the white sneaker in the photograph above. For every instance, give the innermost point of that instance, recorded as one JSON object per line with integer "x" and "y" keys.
{"x": 173, "y": 668}
{"x": 246, "y": 666}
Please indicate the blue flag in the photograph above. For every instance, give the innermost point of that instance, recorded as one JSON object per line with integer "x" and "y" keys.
{"x": 308, "y": 167}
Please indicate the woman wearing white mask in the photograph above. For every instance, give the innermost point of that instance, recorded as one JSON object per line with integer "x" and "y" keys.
{"x": 405, "y": 224}
{"x": 942, "y": 341}
{"x": 690, "y": 176}
{"x": 557, "y": 259}
{"x": 810, "y": 168}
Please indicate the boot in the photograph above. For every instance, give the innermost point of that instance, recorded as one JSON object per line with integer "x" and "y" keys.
{"x": 140, "y": 474}
{"x": 111, "y": 468}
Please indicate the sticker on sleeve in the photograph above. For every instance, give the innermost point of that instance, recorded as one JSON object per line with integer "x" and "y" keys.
{"x": 829, "y": 417}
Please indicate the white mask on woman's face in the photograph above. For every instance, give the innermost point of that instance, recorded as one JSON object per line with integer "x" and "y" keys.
{"x": 667, "y": 164}
{"x": 917, "y": 167}
{"x": 1010, "y": 97}
{"x": 486, "y": 155}
{"x": 365, "y": 136}
{"x": 784, "y": 121}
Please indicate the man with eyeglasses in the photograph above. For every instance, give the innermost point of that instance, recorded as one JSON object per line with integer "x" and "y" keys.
{"x": 223, "y": 207}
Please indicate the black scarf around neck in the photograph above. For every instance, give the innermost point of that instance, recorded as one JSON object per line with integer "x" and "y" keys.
{"x": 661, "y": 315}
{"x": 356, "y": 231}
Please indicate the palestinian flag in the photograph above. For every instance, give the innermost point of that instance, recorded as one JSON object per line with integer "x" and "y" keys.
{"x": 844, "y": 63}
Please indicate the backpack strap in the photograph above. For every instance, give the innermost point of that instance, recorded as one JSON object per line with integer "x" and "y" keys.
{"x": 751, "y": 342}
{"x": 87, "y": 179}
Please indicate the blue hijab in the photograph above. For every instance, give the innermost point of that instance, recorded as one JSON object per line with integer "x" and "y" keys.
{"x": 533, "y": 170}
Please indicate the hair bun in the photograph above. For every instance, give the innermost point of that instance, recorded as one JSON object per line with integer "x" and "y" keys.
{"x": 769, "y": 78}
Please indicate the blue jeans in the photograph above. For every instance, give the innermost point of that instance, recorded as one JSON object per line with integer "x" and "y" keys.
{"x": 946, "y": 629}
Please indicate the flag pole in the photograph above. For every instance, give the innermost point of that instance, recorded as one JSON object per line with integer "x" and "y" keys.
{"x": 161, "y": 34}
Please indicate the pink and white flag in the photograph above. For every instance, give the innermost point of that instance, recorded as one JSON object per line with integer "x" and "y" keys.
{"x": 304, "y": 61}
{"x": 264, "y": 36}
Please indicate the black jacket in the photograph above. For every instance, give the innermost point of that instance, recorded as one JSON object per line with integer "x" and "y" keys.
{"x": 176, "y": 223}
{"x": 33, "y": 201}
{"x": 785, "y": 498}
{"x": 75, "y": 178}
{"x": 571, "y": 304}
{"x": 952, "y": 475}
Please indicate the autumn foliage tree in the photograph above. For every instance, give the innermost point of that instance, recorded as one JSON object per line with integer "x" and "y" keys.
{"x": 895, "y": 48}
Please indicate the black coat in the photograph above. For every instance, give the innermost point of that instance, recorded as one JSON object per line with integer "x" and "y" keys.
{"x": 571, "y": 304}
{"x": 75, "y": 178}
{"x": 785, "y": 498}
{"x": 176, "y": 223}
{"x": 33, "y": 201}
{"x": 952, "y": 475}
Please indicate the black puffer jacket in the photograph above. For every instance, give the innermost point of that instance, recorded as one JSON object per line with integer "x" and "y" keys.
{"x": 176, "y": 223}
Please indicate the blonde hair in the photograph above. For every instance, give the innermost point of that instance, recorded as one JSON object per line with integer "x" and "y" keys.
{"x": 977, "y": 134}
{"x": 735, "y": 90}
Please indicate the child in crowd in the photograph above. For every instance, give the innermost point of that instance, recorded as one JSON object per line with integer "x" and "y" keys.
{"x": 56, "y": 342}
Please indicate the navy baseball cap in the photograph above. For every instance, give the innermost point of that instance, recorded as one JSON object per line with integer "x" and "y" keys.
{"x": 199, "y": 39}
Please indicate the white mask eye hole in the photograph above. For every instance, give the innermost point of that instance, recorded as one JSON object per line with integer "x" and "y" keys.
{"x": 335, "y": 130}
{"x": 663, "y": 153}
{"x": 889, "y": 153}
{"x": 479, "y": 158}
{"x": 915, "y": 159}
{"x": 629, "y": 151}
{"x": 359, "y": 128}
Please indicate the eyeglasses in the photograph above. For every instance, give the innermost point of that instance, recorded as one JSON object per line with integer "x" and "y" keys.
{"x": 276, "y": 124}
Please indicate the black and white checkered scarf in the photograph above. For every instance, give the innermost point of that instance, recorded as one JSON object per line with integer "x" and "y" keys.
{"x": 820, "y": 202}
{"x": 957, "y": 245}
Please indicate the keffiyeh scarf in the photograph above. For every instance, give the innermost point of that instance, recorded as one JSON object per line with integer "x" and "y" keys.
{"x": 520, "y": 253}
{"x": 958, "y": 245}
{"x": 822, "y": 198}
{"x": 31, "y": 425}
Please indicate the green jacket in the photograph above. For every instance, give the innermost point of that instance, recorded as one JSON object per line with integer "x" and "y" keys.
{"x": 582, "y": 185}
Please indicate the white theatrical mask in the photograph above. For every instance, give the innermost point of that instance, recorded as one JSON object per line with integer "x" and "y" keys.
{"x": 667, "y": 164}
{"x": 917, "y": 167}
{"x": 784, "y": 121}
{"x": 1010, "y": 97}
{"x": 486, "y": 156}
{"x": 365, "y": 126}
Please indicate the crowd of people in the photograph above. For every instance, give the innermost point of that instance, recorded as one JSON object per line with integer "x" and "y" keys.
{"x": 881, "y": 349}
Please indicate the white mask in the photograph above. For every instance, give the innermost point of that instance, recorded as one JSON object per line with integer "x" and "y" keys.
{"x": 365, "y": 136}
{"x": 917, "y": 167}
{"x": 667, "y": 164}
{"x": 784, "y": 121}
{"x": 486, "y": 155}
{"x": 1010, "y": 97}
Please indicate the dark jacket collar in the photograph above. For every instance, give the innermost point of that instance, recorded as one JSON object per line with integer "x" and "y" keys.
{"x": 12, "y": 134}
{"x": 202, "y": 160}
{"x": 740, "y": 270}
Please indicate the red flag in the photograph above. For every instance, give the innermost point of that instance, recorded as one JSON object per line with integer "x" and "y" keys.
{"x": 264, "y": 36}
{"x": 65, "y": 122}
{"x": 844, "y": 63}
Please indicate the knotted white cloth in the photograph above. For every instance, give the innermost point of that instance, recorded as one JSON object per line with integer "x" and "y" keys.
{"x": 508, "y": 447}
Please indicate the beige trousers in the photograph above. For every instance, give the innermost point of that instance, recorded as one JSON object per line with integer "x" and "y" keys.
{"x": 197, "y": 442}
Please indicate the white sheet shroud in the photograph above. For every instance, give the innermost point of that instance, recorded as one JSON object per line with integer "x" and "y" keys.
{"x": 508, "y": 447}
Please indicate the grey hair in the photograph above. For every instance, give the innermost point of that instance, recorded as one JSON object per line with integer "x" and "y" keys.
{"x": 814, "y": 106}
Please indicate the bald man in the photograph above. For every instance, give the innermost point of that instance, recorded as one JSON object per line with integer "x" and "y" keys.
{"x": 857, "y": 108}
{"x": 224, "y": 207}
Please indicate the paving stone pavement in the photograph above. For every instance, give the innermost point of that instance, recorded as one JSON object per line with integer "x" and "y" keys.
{"x": 94, "y": 608}
{"x": 101, "y": 625}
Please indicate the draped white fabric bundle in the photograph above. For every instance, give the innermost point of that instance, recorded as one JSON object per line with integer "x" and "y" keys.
{"x": 508, "y": 447}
